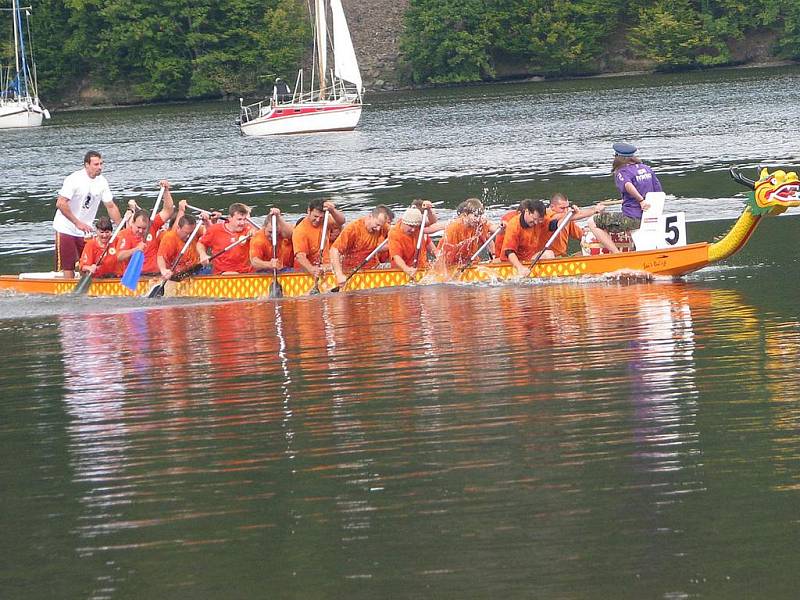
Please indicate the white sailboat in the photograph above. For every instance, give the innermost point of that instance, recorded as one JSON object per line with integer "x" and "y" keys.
{"x": 332, "y": 103}
{"x": 19, "y": 97}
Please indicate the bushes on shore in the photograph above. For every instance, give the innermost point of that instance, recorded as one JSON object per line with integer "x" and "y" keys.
{"x": 451, "y": 40}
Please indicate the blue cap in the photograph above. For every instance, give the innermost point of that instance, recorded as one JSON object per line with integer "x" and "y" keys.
{"x": 623, "y": 149}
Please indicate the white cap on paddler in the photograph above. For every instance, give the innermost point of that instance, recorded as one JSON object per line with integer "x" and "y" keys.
{"x": 412, "y": 217}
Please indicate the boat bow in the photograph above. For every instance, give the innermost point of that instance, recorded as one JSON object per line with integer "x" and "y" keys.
{"x": 771, "y": 195}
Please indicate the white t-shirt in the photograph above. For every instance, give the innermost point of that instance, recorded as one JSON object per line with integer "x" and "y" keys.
{"x": 84, "y": 196}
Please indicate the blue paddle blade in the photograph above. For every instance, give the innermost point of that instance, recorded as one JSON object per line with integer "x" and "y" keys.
{"x": 130, "y": 278}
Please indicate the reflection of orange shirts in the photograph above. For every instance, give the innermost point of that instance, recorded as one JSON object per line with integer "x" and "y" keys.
{"x": 170, "y": 245}
{"x": 460, "y": 241}
{"x": 405, "y": 245}
{"x": 91, "y": 253}
{"x": 355, "y": 243}
{"x": 525, "y": 242}
{"x": 498, "y": 241}
{"x": 306, "y": 239}
{"x": 261, "y": 247}
{"x": 237, "y": 259}
{"x": 571, "y": 230}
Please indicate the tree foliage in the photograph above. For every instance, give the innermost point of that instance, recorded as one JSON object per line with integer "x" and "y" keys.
{"x": 168, "y": 49}
{"x": 446, "y": 40}
{"x": 174, "y": 49}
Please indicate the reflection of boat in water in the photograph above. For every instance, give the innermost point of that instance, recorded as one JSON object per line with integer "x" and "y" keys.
{"x": 335, "y": 104}
{"x": 19, "y": 96}
{"x": 772, "y": 195}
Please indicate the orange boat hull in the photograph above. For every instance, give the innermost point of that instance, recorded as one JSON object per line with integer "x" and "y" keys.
{"x": 672, "y": 262}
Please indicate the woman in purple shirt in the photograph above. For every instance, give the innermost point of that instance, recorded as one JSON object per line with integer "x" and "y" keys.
{"x": 634, "y": 180}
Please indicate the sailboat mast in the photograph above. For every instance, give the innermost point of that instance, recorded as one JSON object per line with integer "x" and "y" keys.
{"x": 322, "y": 44}
{"x": 16, "y": 37}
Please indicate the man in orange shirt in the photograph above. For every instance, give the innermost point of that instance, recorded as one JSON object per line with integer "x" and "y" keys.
{"x": 95, "y": 247}
{"x": 526, "y": 235}
{"x": 358, "y": 240}
{"x": 150, "y": 264}
{"x": 131, "y": 239}
{"x": 308, "y": 234}
{"x": 170, "y": 246}
{"x": 221, "y": 235}
{"x": 465, "y": 234}
{"x": 261, "y": 257}
{"x": 558, "y": 209}
{"x": 403, "y": 243}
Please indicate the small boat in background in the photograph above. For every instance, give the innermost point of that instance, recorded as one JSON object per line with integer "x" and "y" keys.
{"x": 332, "y": 103}
{"x": 19, "y": 96}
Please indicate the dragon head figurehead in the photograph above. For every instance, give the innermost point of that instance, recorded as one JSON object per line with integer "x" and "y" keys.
{"x": 774, "y": 192}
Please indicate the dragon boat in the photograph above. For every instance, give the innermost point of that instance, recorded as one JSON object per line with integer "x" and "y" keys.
{"x": 771, "y": 195}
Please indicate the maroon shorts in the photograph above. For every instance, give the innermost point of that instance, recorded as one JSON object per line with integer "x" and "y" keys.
{"x": 68, "y": 251}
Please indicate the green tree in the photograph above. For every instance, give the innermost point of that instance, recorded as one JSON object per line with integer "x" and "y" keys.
{"x": 671, "y": 34}
{"x": 447, "y": 41}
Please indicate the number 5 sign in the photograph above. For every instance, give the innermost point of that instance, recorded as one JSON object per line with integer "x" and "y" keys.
{"x": 672, "y": 230}
{"x": 659, "y": 230}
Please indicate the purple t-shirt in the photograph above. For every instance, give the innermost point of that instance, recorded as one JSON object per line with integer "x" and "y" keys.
{"x": 643, "y": 179}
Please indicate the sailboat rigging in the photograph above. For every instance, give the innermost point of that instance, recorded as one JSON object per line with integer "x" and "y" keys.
{"x": 332, "y": 103}
{"x": 19, "y": 95}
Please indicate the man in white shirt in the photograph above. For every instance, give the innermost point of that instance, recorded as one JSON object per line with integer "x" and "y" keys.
{"x": 77, "y": 204}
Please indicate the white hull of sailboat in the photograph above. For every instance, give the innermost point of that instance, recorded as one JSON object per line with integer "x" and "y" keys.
{"x": 20, "y": 114}
{"x": 306, "y": 117}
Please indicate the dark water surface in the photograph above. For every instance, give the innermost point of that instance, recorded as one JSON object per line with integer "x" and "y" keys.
{"x": 593, "y": 439}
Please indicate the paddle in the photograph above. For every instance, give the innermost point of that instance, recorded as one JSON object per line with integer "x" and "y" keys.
{"x": 478, "y": 252}
{"x": 133, "y": 272}
{"x": 419, "y": 242}
{"x": 550, "y": 241}
{"x": 157, "y": 204}
{"x": 359, "y": 267}
{"x": 158, "y": 290}
{"x": 195, "y": 268}
{"x": 86, "y": 279}
{"x": 315, "y": 290}
{"x": 275, "y": 289}
{"x": 130, "y": 278}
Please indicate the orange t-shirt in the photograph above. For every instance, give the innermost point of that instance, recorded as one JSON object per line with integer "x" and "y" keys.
{"x": 306, "y": 239}
{"x": 571, "y": 230}
{"x": 261, "y": 247}
{"x": 405, "y": 246}
{"x": 525, "y": 242}
{"x": 237, "y": 259}
{"x": 127, "y": 240}
{"x": 170, "y": 245}
{"x": 355, "y": 243}
{"x": 150, "y": 264}
{"x": 460, "y": 241}
{"x": 498, "y": 241}
{"x": 91, "y": 253}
